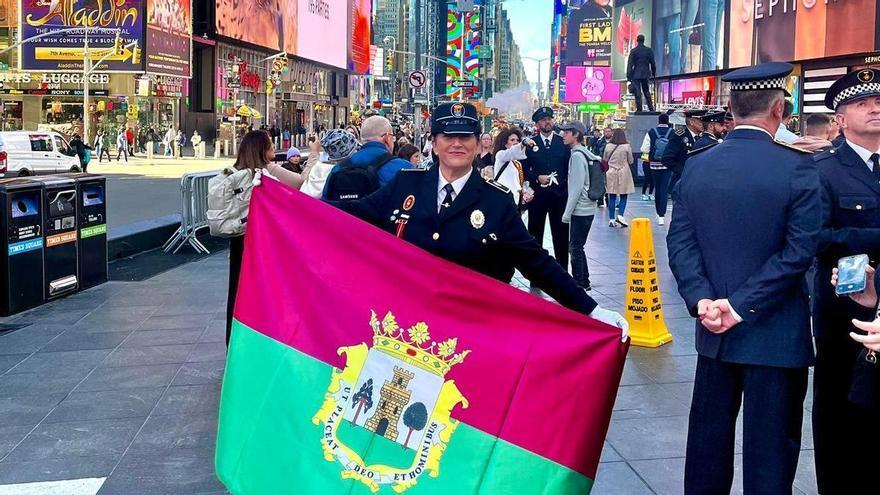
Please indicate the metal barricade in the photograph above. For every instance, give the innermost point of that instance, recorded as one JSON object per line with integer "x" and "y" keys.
{"x": 193, "y": 212}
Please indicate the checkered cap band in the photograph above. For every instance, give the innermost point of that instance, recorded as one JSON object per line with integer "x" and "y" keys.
{"x": 775, "y": 83}
{"x": 855, "y": 91}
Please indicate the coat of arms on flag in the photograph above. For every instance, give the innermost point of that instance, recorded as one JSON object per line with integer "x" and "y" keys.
{"x": 394, "y": 391}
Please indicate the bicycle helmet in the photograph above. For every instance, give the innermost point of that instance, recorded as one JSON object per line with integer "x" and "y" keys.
{"x": 339, "y": 144}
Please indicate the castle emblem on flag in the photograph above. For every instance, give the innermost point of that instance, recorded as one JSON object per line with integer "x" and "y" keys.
{"x": 395, "y": 390}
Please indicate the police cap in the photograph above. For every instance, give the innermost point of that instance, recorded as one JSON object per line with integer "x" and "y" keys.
{"x": 769, "y": 75}
{"x": 713, "y": 117}
{"x": 859, "y": 84}
{"x": 541, "y": 113}
{"x": 455, "y": 118}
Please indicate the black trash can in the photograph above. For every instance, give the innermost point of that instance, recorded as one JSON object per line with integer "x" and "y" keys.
{"x": 21, "y": 271}
{"x": 60, "y": 230}
{"x": 92, "y": 205}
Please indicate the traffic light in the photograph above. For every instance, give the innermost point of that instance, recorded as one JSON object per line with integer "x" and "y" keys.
{"x": 389, "y": 61}
{"x": 118, "y": 45}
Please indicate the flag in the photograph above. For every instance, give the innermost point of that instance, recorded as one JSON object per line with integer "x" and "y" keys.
{"x": 360, "y": 363}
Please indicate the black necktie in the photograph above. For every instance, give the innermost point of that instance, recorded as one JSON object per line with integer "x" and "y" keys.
{"x": 547, "y": 142}
{"x": 875, "y": 159}
{"x": 447, "y": 199}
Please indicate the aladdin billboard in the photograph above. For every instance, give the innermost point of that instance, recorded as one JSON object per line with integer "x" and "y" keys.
{"x": 64, "y": 51}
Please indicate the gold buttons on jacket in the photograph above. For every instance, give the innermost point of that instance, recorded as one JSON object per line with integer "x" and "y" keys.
{"x": 436, "y": 236}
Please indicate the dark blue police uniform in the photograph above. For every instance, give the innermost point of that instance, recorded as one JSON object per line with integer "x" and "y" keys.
{"x": 548, "y": 201}
{"x": 745, "y": 228}
{"x": 850, "y": 226}
{"x": 681, "y": 142}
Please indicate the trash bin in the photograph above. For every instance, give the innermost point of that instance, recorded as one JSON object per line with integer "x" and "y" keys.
{"x": 60, "y": 230}
{"x": 92, "y": 204}
{"x": 21, "y": 270}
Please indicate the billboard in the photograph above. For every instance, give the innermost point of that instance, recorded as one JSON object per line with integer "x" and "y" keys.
{"x": 271, "y": 25}
{"x": 688, "y": 37}
{"x": 169, "y": 37}
{"x": 766, "y": 32}
{"x": 361, "y": 14}
{"x": 630, "y": 20}
{"x": 590, "y": 85}
{"x": 456, "y": 78}
{"x": 589, "y": 34}
{"x": 322, "y": 29}
{"x": 64, "y": 51}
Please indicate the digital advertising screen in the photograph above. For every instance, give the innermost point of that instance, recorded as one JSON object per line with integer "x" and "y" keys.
{"x": 322, "y": 32}
{"x": 767, "y": 31}
{"x": 589, "y": 33}
{"x": 271, "y": 25}
{"x": 630, "y": 20}
{"x": 64, "y": 51}
{"x": 455, "y": 33}
{"x": 688, "y": 36}
{"x": 169, "y": 37}
{"x": 590, "y": 85}
{"x": 361, "y": 14}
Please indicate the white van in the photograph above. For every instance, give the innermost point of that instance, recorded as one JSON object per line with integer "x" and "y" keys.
{"x": 39, "y": 152}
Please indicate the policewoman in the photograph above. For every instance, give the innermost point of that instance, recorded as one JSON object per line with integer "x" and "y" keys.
{"x": 451, "y": 211}
{"x": 850, "y": 177}
{"x": 546, "y": 169}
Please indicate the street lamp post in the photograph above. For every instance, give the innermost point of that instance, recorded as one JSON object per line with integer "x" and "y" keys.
{"x": 540, "y": 82}
{"x": 268, "y": 77}
{"x": 391, "y": 40}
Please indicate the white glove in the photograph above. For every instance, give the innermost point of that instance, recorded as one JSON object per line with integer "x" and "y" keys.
{"x": 614, "y": 319}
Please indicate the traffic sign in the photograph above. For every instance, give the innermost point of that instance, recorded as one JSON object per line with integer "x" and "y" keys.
{"x": 462, "y": 83}
{"x": 417, "y": 79}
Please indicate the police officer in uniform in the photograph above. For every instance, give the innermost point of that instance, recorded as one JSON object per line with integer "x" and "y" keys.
{"x": 713, "y": 130}
{"x": 680, "y": 144}
{"x": 850, "y": 176}
{"x": 743, "y": 235}
{"x": 450, "y": 211}
{"x": 546, "y": 169}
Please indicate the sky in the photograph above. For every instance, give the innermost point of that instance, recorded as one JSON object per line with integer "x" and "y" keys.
{"x": 531, "y": 21}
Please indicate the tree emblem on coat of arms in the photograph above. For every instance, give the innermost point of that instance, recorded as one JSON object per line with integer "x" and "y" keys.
{"x": 393, "y": 399}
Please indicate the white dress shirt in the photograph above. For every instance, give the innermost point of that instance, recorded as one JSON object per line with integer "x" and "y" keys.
{"x": 864, "y": 153}
{"x": 457, "y": 184}
{"x": 753, "y": 128}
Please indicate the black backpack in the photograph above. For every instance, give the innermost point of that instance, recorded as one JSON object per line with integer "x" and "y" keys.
{"x": 597, "y": 188}
{"x": 353, "y": 182}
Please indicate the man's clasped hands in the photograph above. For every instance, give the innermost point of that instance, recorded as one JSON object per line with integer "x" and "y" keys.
{"x": 717, "y": 316}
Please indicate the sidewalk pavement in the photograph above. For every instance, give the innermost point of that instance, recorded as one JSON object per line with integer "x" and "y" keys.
{"x": 122, "y": 382}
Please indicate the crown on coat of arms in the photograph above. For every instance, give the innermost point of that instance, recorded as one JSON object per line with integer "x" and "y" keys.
{"x": 414, "y": 345}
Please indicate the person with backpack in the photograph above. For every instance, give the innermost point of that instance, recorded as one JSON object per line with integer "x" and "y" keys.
{"x": 580, "y": 208}
{"x": 653, "y": 146}
{"x": 229, "y": 197}
{"x": 370, "y": 168}
{"x": 336, "y": 146}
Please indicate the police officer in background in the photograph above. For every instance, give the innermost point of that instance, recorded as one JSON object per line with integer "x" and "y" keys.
{"x": 546, "y": 169}
{"x": 850, "y": 176}
{"x": 713, "y": 130}
{"x": 450, "y": 211}
{"x": 743, "y": 235}
{"x": 680, "y": 144}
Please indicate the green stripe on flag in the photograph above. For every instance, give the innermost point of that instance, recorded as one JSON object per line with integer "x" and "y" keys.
{"x": 92, "y": 231}
{"x": 268, "y": 444}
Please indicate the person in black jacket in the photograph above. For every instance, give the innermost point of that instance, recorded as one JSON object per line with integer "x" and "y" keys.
{"x": 639, "y": 69}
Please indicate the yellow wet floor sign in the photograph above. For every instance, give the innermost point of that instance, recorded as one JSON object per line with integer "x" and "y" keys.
{"x": 644, "y": 310}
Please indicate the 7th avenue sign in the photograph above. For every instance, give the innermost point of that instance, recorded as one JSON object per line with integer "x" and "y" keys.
{"x": 462, "y": 83}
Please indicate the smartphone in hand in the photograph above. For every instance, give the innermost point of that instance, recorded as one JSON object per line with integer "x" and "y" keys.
{"x": 851, "y": 274}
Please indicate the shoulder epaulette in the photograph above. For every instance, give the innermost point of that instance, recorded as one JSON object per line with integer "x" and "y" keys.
{"x": 500, "y": 187}
{"x": 698, "y": 150}
{"x": 680, "y": 132}
{"x": 824, "y": 155}
{"x": 791, "y": 147}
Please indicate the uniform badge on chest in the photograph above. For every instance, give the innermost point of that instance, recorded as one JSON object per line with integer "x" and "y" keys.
{"x": 477, "y": 219}
{"x": 409, "y": 202}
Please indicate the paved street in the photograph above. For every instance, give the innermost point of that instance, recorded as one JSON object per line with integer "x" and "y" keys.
{"x": 122, "y": 382}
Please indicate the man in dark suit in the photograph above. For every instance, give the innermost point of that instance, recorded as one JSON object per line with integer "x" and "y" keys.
{"x": 850, "y": 177}
{"x": 546, "y": 169}
{"x": 450, "y": 211}
{"x": 743, "y": 234}
{"x": 639, "y": 68}
{"x": 676, "y": 154}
